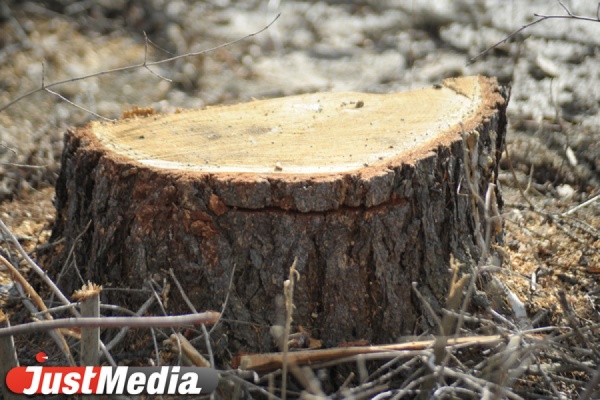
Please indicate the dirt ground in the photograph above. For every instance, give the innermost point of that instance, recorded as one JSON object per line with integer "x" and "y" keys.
{"x": 353, "y": 45}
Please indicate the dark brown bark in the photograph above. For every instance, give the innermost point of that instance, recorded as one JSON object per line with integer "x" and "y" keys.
{"x": 361, "y": 236}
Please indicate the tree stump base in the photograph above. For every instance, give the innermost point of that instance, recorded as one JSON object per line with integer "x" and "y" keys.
{"x": 367, "y": 191}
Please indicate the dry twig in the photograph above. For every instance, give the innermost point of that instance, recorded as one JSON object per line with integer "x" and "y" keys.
{"x": 272, "y": 361}
{"x": 207, "y": 317}
{"x": 540, "y": 18}
{"x": 145, "y": 64}
{"x": 41, "y": 306}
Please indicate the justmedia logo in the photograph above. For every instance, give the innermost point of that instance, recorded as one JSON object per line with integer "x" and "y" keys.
{"x": 110, "y": 380}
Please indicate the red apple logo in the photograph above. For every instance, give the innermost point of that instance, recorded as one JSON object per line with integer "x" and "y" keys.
{"x": 41, "y": 357}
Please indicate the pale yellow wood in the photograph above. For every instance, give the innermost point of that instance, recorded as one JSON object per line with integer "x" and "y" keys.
{"x": 312, "y": 133}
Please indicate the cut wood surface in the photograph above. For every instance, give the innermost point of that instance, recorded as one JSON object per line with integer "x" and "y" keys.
{"x": 306, "y": 134}
{"x": 368, "y": 191}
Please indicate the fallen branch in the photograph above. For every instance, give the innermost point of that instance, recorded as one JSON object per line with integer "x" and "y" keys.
{"x": 207, "y": 317}
{"x": 272, "y": 361}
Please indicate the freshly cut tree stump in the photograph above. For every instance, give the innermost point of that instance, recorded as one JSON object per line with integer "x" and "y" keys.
{"x": 367, "y": 191}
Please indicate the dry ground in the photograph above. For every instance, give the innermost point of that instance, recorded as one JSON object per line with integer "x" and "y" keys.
{"x": 373, "y": 46}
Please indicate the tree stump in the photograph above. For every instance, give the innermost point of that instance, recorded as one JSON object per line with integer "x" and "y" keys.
{"x": 367, "y": 191}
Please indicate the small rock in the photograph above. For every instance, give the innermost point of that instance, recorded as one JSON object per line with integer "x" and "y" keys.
{"x": 549, "y": 68}
{"x": 565, "y": 191}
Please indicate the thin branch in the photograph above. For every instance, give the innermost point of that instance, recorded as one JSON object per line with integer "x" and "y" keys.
{"x": 207, "y": 317}
{"x": 541, "y": 18}
{"x": 288, "y": 290}
{"x": 251, "y": 386}
{"x": 24, "y": 165}
{"x": 186, "y": 299}
{"x": 157, "y": 46}
{"x": 584, "y": 204}
{"x": 193, "y": 309}
{"x": 42, "y": 274}
{"x": 38, "y": 270}
{"x": 2, "y": 145}
{"x": 144, "y": 64}
{"x": 55, "y": 309}
{"x": 38, "y": 304}
{"x": 124, "y": 330}
{"x": 156, "y": 351}
{"x": 146, "y": 60}
{"x": 67, "y": 261}
{"x": 224, "y": 307}
{"x": 272, "y": 361}
{"x": 63, "y": 98}
{"x": 478, "y": 383}
{"x": 532, "y": 207}
{"x": 159, "y": 301}
{"x": 573, "y": 323}
{"x": 428, "y": 308}
{"x": 564, "y": 7}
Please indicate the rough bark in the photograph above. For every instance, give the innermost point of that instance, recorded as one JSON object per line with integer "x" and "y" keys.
{"x": 362, "y": 235}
